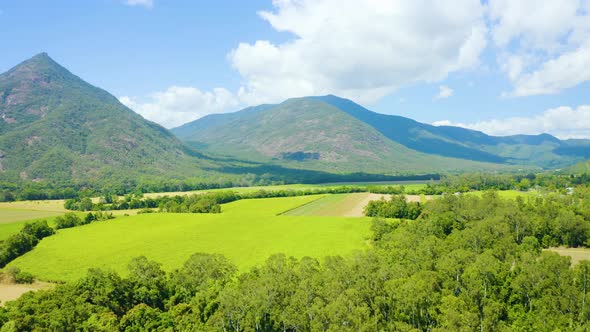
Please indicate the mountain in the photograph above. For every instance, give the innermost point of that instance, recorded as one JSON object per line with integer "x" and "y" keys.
{"x": 332, "y": 133}
{"x": 55, "y": 127}
{"x": 540, "y": 150}
{"x": 312, "y": 134}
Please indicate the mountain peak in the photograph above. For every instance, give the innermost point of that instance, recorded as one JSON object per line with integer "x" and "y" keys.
{"x": 40, "y": 64}
{"x": 41, "y": 56}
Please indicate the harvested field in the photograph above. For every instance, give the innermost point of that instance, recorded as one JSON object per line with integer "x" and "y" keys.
{"x": 577, "y": 254}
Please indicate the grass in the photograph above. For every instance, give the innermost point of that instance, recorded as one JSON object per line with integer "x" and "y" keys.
{"x": 10, "y": 228}
{"x": 246, "y": 232}
{"x": 15, "y": 214}
{"x": 11, "y": 216}
{"x": 49, "y": 205}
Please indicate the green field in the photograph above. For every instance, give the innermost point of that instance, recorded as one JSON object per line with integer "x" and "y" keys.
{"x": 506, "y": 193}
{"x": 328, "y": 205}
{"x": 246, "y": 232}
{"x": 10, "y": 215}
{"x": 342, "y": 205}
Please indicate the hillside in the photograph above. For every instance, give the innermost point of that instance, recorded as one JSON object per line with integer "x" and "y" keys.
{"x": 579, "y": 168}
{"x": 311, "y": 134}
{"x": 388, "y": 142}
{"x": 539, "y": 150}
{"x": 55, "y": 127}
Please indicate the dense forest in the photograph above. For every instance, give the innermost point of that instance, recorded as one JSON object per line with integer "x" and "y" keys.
{"x": 467, "y": 263}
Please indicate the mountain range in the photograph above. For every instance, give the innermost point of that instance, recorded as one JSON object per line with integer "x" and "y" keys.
{"x": 57, "y": 128}
{"x": 332, "y": 133}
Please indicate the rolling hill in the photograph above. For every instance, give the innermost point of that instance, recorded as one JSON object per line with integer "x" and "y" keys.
{"x": 55, "y": 127}
{"x": 332, "y": 133}
{"x": 311, "y": 134}
{"x": 579, "y": 168}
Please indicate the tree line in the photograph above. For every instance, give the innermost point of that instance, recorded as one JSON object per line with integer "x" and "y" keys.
{"x": 195, "y": 203}
{"x": 123, "y": 184}
{"x": 467, "y": 263}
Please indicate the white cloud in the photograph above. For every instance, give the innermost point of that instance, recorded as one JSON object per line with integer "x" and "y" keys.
{"x": 363, "y": 50}
{"x": 444, "y": 92}
{"x": 178, "y": 105}
{"x": 554, "y": 75}
{"x": 563, "y": 122}
{"x": 542, "y": 44}
{"x": 145, "y": 3}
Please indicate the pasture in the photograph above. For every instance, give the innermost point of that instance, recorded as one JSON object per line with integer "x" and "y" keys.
{"x": 246, "y": 232}
{"x": 14, "y": 215}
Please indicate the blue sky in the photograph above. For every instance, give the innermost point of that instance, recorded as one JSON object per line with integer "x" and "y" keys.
{"x": 501, "y": 66}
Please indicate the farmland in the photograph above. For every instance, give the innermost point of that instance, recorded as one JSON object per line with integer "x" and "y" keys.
{"x": 576, "y": 254}
{"x": 246, "y": 232}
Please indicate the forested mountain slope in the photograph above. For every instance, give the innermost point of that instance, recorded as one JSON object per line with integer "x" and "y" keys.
{"x": 312, "y": 134}
{"x": 56, "y": 127}
{"x": 389, "y": 142}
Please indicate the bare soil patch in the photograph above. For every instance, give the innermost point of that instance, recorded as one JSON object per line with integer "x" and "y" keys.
{"x": 11, "y": 292}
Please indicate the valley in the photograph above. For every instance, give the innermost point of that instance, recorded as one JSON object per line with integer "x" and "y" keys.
{"x": 314, "y": 213}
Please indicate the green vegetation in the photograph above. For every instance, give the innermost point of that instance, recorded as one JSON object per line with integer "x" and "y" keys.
{"x": 64, "y": 130}
{"x": 70, "y": 219}
{"x": 396, "y": 207}
{"x": 468, "y": 263}
{"x": 580, "y": 168}
{"x": 19, "y": 277}
{"x": 24, "y": 241}
{"x": 311, "y": 134}
{"x": 330, "y": 205}
{"x": 246, "y": 232}
{"x": 331, "y": 133}
{"x": 12, "y": 215}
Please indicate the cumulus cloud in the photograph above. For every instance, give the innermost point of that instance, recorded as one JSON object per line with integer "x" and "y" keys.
{"x": 543, "y": 44}
{"x": 178, "y": 105}
{"x": 363, "y": 50}
{"x": 144, "y": 3}
{"x": 444, "y": 92}
{"x": 563, "y": 122}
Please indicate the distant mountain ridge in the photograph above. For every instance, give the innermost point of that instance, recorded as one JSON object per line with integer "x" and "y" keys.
{"x": 461, "y": 147}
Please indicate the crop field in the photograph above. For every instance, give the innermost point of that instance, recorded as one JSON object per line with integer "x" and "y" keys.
{"x": 10, "y": 215}
{"x": 576, "y": 254}
{"x": 15, "y": 214}
{"x": 48, "y": 206}
{"x": 246, "y": 232}
{"x": 344, "y": 205}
